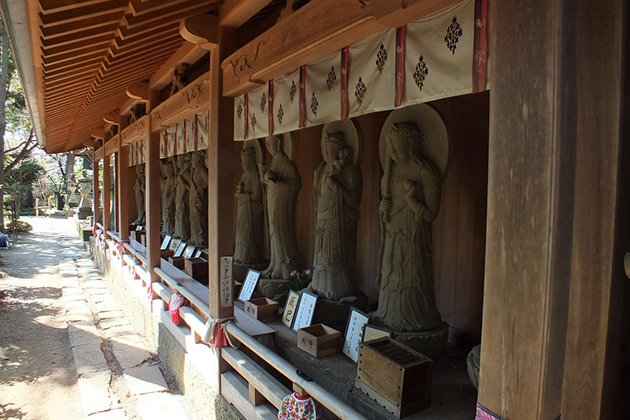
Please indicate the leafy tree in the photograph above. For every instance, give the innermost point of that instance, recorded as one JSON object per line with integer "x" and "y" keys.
{"x": 17, "y": 139}
{"x": 21, "y": 179}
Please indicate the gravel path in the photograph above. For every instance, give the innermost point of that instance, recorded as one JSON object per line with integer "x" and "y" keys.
{"x": 38, "y": 377}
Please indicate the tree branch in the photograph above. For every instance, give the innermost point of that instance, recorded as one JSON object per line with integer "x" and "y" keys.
{"x": 22, "y": 154}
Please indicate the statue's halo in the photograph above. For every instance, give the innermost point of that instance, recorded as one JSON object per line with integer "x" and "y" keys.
{"x": 288, "y": 143}
{"x": 436, "y": 147}
{"x": 353, "y": 137}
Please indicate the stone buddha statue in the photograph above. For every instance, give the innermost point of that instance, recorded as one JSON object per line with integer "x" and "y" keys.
{"x": 337, "y": 189}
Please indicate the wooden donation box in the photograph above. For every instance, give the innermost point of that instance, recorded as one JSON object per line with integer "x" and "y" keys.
{"x": 263, "y": 309}
{"x": 396, "y": 376}
{"x": 319, "y": 340}
{"x": 197, "y": 268}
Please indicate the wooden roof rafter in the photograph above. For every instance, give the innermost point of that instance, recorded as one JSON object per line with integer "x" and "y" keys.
{"x": 89, "y": 51}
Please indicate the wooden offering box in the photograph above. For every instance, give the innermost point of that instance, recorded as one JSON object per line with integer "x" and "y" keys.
{"x": 177, "y": 262}
{"x": 263, "y": 309}
{"x": 197, "y": 268}
{"x": 396, "y": 376}
{"x": 319, "y": 340}
{"x": 166, "y": 253}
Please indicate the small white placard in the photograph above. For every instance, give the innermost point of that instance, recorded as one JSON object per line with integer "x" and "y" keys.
{"x": 166, "y": 242}
{"x": 249, "y": 285}
{"x": 305, "y": 311}
{"x": 180, "y": 249}
{"x": 290, "y": 307}
{"x": 226, "y": 282}
{"x": 354, "y": 333}
{"x": 190, "y": 250}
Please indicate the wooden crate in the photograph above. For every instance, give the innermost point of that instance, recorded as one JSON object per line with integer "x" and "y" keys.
{"x": 263, "y": 309}
{"x": 319, "y": 340}
{"x": 166, "y": 253}
{"x": 177, "y": 262}
{"x": 197, "y": 268}
{"x": 396, "y": 376}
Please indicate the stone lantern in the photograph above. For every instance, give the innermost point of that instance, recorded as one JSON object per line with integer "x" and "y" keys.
{"x": 85, "y": 207}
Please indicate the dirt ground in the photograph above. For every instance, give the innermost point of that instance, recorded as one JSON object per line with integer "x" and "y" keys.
{"x": 38, "y": 378}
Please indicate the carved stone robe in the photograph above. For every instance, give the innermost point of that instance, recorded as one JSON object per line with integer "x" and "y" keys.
{"x": 406, "y": 298}
{"x": 250, "y": 222}
{"x": 337, "y": 206}
{"x": 281, "y": 202}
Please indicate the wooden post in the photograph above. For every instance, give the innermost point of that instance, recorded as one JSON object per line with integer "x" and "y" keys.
{"x": 95, "y": 192}
{"x": 107, "y": 214}
{"x": 220, "y": 172}
{"x": 596, "y": 381}
{"x": 124, "y": 190}
{"x": 530, "y": 207}
{"x": 153, "y": 209}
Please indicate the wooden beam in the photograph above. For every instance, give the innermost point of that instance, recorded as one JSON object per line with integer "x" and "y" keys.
{"x": 101, "y": 42}
{"x": 530, "y": 207}
{"x": 191, "y": 100}
{"x": 107, "y": 192}
{"x": 152, "y": 193}
{"x": 220, "y": 151}
{"x": 138, "y": 91}
{"x": 187, "y": 53}
{"x": 267, "y": 56}
{"x": 124, "y": 190}
{"x": 200, "y": 29}
{"x": 76, "y": 26}
{"x": 135, "y": 131}
{"x": 92, "y": 33}
{"x": 112, "y": 118}
{"x": 234, "y": 13}
{"x": 50, "y": 6}
{"x": 181, "y": 10}
{"x": 76, "y": 14}
{"x": 99, "y": 133}
{"x": 112, "y": 146}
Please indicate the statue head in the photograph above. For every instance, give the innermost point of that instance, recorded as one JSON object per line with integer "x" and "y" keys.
{"x": 402, "y": 137}
{"x": 248, "y": 158}
{"x": 333, "y": 145}
{"x": 274, "y": 145}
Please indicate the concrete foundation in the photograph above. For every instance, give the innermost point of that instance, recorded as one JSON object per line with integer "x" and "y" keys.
{"x": 193, "y": 366}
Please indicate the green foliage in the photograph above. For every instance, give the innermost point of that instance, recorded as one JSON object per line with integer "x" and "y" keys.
{"x": 21, "y": 226}
{"x": 21, "y": 179}
{"x": 299, "y": 280}
{"x": 26, "y": 212}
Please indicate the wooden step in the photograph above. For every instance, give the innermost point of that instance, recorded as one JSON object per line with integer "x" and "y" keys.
{"x": 260, "y": 379}
{"x": 235, "y": 390}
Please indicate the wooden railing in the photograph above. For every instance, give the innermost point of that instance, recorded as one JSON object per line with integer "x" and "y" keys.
{"x": 256, "y": 393}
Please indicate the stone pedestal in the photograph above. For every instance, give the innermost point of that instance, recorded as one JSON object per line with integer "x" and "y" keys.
{"x": 84, "y": 212}
{"x": 431, "y": 343}
{"x": 335, "y": 314}
{"x": 239, "y": 270}
{"x": 269, "y": 288}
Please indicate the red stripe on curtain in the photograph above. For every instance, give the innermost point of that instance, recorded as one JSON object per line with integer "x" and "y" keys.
{"x": 302, "y": 96}
{"x": 480, "y": 50}
{"x": 400, "y": 65}
{"x": 344, "y": 83}
{"x": 270, "y": 106}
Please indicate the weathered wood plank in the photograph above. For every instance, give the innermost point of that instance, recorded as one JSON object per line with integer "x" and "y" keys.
{"x": 192, "y": 99}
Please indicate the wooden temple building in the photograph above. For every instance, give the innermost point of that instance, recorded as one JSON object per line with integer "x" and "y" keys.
{"x": 534, "y": 224}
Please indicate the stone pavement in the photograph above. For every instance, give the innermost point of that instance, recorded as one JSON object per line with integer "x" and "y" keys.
{"x": 118, "y": 377}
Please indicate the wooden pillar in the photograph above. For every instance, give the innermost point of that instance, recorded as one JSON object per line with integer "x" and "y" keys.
{"x": 530, "y": 207}
{"x": 153, "y": 209}
{"x": 595, "y": 366}
{"x": 96, "y": 191}
{"x": 107, "y": 216}
{"x": 124, "y": 183}
{"x": 220, "y": 173}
